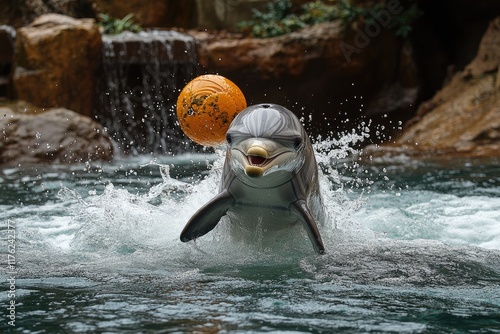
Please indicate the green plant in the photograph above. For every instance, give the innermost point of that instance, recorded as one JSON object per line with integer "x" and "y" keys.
{"x": 349, "y": 13}
{"x": 402, "y": 24}
{"x": 115, "y": 26}
{"x": 318, "y": 12}
{"x": 276, "y": 10}
{"x": 279, "y": 18}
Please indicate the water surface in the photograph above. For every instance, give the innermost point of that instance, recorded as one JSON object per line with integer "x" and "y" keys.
{"x": 412, "y": 247}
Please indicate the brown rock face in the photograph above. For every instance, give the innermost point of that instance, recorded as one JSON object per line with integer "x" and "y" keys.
{"x": 19, "y": 13}
{"x": 56, "y": 57}
{"x": 322, "y": 70}
{"x": 464, "y": 117}
{"x": 151, "y": 13}
{"x": 56, "y": 135}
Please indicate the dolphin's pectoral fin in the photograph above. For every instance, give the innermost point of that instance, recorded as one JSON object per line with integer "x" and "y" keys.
{"x": 207, "y": 217}
{"x": 301, "y": 209}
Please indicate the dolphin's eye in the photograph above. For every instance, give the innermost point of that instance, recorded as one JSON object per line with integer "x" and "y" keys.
{"x": 297, "y": 144}
{"x": 229, "y": 139}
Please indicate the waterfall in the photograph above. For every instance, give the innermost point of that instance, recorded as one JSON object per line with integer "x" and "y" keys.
{"x": 137, "y": 87}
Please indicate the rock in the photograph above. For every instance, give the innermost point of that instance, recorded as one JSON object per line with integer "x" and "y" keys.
{"x": 146, "y": 47}
{"x": 55, "y": 62}
{"x": 488, "y": 57}
{"x": 19, "y": 13}
{"x": 463, "y": 118}
{"x": 56, "y": 136}
{"x": 321, "y": 70}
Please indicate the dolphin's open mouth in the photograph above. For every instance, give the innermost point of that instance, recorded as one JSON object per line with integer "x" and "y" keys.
{"x": 257, "y": 160}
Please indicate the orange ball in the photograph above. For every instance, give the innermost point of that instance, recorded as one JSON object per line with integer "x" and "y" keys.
{"x": 206, "y": 107}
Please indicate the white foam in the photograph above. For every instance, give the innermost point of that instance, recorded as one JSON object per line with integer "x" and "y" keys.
{"x": 471, "y": 220}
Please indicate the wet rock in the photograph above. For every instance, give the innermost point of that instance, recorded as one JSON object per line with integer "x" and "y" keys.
{"x": 55, "y": 136}
{"x": 463, "y": 118}
{"x": 55, "y": 62}
{"x": 487, "y": 59}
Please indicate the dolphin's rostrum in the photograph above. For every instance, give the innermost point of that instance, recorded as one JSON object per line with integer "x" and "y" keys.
{"x": 270, "y": 168}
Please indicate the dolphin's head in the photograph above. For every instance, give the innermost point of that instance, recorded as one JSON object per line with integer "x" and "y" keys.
{"x": 265, "y": 145}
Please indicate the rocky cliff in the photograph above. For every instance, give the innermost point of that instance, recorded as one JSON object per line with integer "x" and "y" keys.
{"x": 463, "y": 118}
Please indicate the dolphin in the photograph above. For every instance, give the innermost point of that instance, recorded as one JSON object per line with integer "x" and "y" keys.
{"x": 270, "y": 174}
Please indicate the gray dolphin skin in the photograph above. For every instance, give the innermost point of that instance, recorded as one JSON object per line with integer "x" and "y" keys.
{"x": 270, "y": 175}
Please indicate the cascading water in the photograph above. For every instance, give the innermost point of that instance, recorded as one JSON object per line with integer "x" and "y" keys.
{"x": 140, "y": 78}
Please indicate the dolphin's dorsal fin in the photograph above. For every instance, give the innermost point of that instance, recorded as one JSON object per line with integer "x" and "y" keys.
{"x": 208, "y": 216}
{"x": 302, "y": 210}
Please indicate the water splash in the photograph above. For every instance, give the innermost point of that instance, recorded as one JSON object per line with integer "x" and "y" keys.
{"x": 120, "y": 223}
{"x": 131, "y": 230}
